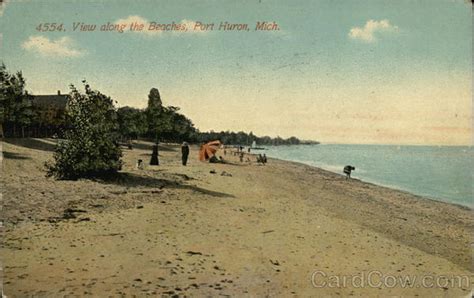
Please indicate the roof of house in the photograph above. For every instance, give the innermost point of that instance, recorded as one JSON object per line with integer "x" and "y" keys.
{"x": 58, "y": 101}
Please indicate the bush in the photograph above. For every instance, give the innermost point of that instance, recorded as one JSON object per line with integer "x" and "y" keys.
{"x": 91, "y": 144}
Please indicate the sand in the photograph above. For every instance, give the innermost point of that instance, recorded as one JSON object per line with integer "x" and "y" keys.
{"x": 281, "y": 229}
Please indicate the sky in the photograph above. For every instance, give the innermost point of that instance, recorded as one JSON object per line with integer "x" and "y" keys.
{"x": 336, "y": 71}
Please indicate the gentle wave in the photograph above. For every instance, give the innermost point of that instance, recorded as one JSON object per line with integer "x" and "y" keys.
{"x": 437, "y": 172}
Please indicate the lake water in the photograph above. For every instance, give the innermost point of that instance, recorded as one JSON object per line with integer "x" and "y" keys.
{"x": 439, "y": 172}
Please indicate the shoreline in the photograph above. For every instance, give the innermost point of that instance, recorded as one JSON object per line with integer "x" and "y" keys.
{"x": 446, "y": 198}
{"x": 267, "y": 229}
{"x": 377, "y": 184}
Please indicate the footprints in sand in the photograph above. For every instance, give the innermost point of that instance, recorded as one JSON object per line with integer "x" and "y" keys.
{"x": 186, "y": 274}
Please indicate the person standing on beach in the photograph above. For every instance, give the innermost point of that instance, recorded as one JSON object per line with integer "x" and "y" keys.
{"x": 184, "y": 153}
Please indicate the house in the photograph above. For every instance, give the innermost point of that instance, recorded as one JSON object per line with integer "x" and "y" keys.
{"x": 56, "y": 101}
{"x": 50, "y": 114}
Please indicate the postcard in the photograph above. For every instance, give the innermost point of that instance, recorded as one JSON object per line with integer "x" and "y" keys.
{"x": 247, "y": 148}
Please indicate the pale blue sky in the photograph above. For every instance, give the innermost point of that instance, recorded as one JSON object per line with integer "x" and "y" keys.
{"x": 403, "y": 77}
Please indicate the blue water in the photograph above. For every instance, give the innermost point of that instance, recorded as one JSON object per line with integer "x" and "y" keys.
{"x": 442, "y": 173}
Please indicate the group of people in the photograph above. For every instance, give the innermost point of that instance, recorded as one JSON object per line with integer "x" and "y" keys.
{"x": 185, "y": 155}
{"x": 262, "y": 159}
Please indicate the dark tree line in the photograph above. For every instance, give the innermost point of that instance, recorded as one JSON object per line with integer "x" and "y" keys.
{"x": 91, "y": 128}
{"x": 16, "y": 112}
{"x": 246, "y": 139}
{"x": 157, "y": 122}
{"x": 19, "y": 116}
{"x": 22, "y": 116}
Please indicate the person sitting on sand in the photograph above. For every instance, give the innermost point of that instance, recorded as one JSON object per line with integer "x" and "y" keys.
{"x": 348, "y": 170}
{"x": 214, "y": 159}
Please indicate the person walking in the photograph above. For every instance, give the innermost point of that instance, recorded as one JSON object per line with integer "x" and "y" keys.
{"x": 184, "y": 153}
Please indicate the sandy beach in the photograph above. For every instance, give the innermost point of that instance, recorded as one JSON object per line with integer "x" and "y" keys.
{"x": 246, "y": 230}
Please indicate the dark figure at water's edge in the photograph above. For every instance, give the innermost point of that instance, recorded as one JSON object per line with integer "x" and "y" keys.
{"x": 184, "y": 153}
{"x": 348, "y": 170}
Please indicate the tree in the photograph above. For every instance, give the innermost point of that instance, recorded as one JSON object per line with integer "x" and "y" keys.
{"x": 154, "y": 99}
{"x": 132, "y": 122}
{"x": 154, "y": 112}
{"x": 15, "y": 103}
{"x": 91, "y": 146}
{"x": 23, "y": 111}
{"x": 3, "y": 96}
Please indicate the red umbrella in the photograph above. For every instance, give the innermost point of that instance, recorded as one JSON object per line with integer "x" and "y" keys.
{"x": 208, "y": 150}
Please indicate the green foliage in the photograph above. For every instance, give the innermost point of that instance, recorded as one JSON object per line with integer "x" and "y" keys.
{"x": 15, "y": 103}
{"x": 244, "y": 139}
{"x": 154, "y": 115}
{"x": 132, "y": 122}
{"x": 91, "y": 145}
{"x": 154, "y": 100}
{"x": 165, "y": 123}
{"x": 51, "y": 116}
{"x": 3, "y": 92}
{"x": 93, "y": 126}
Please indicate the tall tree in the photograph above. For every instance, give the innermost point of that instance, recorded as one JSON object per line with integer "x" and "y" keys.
{"x": 154, "y": 112}
{"x": 154, "y": 99}
{"x": 15, "y": 103}
{"x": 3, "y": 96}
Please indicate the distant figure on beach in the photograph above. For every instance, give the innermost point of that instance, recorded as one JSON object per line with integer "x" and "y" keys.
{"x": 264, "y": 158}
{"x": 214, "y": 159}
{"x": 260, "y": 159}
{"x": 348, "y": 170}
{"x": 154, "y": 156}
{"x": 241, "y": 157}
{"x": 184, "y": 153}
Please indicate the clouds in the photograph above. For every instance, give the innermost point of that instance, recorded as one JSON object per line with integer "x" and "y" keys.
{"x": 61, "y": 47}
{"x": 372, "y": 29}
{"x": 184, "y": 26}
{"x": 140, "y": 20}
